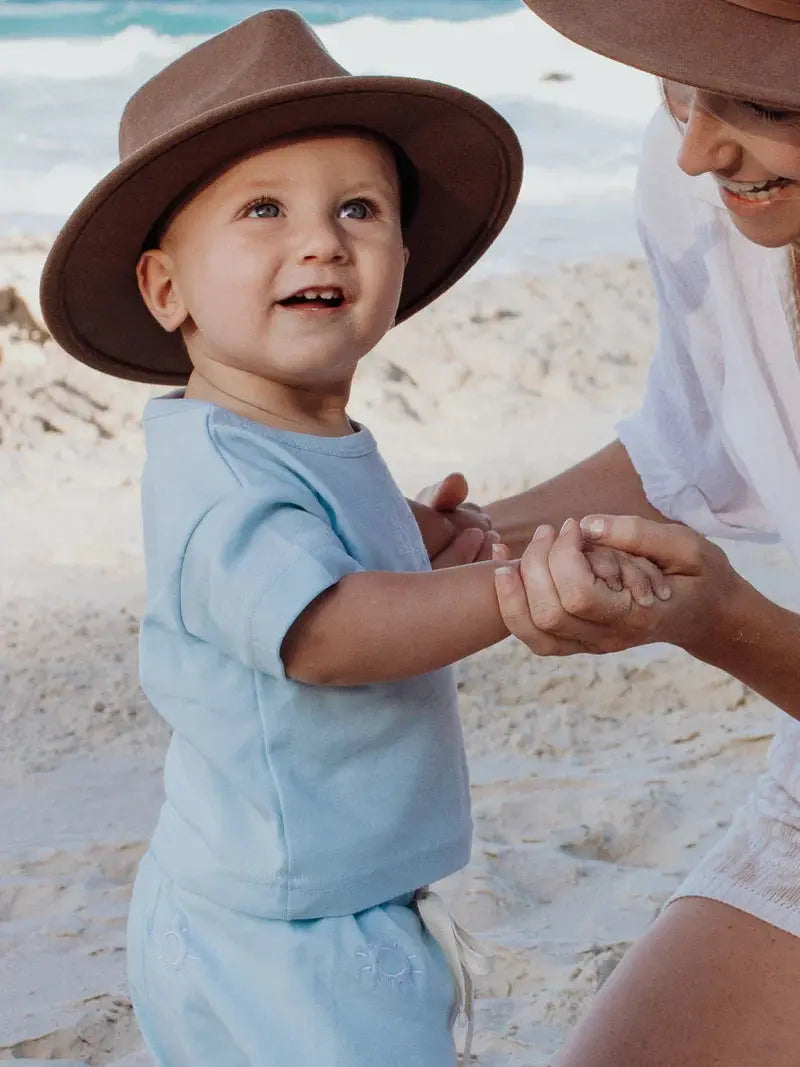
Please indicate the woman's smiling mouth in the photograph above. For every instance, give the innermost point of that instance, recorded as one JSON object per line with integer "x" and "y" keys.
{"x": 755, "y": 192}
{"x": 748, "y": 200}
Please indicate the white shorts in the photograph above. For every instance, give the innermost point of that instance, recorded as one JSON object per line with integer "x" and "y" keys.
{"x": 755, "y": 867}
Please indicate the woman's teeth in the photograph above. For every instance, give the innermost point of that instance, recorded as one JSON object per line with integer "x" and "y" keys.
{"x": 755, "y": 190}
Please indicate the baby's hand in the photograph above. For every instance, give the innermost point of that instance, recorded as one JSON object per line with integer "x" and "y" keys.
{"x": 619, "y": 570}
{"x": 454, "y": 530}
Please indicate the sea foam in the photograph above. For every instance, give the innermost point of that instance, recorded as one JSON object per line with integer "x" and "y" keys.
{"x": 580, "y": 117}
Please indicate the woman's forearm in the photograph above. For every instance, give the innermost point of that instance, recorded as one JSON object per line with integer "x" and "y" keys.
{"x": 758, "y": 642}
{"x": 605, "y": 482}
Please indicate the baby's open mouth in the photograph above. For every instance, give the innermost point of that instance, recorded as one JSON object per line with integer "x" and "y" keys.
{"x": 314, "y": 298}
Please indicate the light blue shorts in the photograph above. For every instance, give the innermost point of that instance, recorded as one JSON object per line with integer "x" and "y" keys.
{"x": 217, "y": 988}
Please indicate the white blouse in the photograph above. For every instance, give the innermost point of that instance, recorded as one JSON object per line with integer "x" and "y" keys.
{"x": 717, "y": 439}
{"x": 717, "y": 445}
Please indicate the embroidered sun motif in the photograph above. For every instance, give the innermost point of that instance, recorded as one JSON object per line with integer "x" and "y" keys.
{"x": 388, "y": 963}
{"x": 173, "y": 947}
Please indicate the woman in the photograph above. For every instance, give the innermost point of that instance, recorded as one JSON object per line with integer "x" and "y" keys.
{"x": 715, "y": 447}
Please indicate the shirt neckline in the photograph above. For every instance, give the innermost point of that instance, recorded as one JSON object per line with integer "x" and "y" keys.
{"x": 359, "y": 443}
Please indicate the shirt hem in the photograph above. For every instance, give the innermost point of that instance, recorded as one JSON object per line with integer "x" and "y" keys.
{"x": 295, "y": 898}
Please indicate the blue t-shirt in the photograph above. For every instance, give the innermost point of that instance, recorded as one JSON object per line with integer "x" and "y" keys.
{"x": 285, "y": 800}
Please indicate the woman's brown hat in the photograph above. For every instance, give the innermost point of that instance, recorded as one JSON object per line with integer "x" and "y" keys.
{"x": 749, "y": 49}
{"x": 267, "y": 77}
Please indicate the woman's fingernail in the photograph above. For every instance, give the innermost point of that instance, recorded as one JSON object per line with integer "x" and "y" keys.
{"x": 541, "y": 531}
{"x": 502, "y": 577}
{"x": 568, "y": 524}
{"x": 493, "y": 537}
{"x": 663, "y": 592}
{"x": 646, "y": 600}
{"x": 593, "y": 527}
{"x": 496, "y": 551}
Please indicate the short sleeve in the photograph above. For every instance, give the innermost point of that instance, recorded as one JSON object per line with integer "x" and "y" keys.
{"x": 253, "y": 563}
{"x": 674, "y": 440}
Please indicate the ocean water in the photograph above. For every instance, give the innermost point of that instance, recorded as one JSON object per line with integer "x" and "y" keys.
{"x": 68, "y": 66}
{"x": 93, "y": 18}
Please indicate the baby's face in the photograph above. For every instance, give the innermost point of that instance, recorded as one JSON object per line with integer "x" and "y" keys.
{"x": 289, "y": 265}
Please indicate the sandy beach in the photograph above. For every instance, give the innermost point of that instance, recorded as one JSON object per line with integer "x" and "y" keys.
{"x": 597, "y": 783}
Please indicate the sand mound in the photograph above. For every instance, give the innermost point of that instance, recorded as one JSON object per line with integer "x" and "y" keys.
{"x": 45, "y": 392}
{"x": 596, "y": 782}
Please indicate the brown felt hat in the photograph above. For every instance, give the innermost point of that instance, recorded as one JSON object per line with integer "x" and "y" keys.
{"x": 267, "y": 77}
{"x": 749, "y": 49}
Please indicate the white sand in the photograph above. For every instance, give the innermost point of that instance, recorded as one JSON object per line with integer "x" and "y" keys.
{"x": 596, "y": 783}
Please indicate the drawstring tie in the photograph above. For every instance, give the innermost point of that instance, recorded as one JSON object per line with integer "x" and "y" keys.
{"x": 464, "y": 954}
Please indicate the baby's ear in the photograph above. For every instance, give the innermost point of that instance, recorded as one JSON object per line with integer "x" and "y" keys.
{"x": 155, "y": 275}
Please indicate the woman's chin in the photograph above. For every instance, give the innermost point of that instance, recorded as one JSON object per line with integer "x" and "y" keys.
{"x": 772, "y": 232}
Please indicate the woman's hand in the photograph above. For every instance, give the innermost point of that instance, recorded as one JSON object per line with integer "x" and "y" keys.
{"x": 555, "y": 602}
{"x": 455, "y": 531}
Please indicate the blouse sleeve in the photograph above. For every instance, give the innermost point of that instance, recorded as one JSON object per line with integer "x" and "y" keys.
{"x": 674, "y": 440}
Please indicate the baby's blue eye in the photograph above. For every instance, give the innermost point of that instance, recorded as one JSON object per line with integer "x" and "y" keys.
{"x": 354, "y": 209}
{"x": 264, "y": 209}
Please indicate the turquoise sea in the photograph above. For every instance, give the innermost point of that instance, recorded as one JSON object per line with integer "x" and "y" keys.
{"x": 96, "y": 18}
{"x": 67, "y": 68}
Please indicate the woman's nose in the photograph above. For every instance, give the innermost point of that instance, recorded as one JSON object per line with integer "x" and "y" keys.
{"x": 708, "y": 144}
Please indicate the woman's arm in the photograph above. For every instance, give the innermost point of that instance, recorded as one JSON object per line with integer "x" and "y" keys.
{"x": 604, "y": 482}
{"x": 758, "y": 642}
{"x": 712, "y": 612}
{"x": 745, "y": 634}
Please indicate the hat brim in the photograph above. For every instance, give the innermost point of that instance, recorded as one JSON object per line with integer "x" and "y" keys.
{"x": 469, "y": 165}
{"x": 713, "y": 45}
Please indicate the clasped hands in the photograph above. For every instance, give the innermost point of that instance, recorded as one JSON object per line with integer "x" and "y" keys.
{"x": 600, "y": 585}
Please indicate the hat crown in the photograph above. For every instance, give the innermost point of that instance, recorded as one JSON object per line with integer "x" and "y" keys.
{"x": 782, "y": 9}
{"x": 271, "y": 50}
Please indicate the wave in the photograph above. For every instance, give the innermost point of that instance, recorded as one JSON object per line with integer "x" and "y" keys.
{"x": 51, "y": 193}
{"x": 54, "y": 192}
{"x": 88, "y": 58}
{"x": 71, "y": 18}
{"x": 504, "y": 55}
{"x": 579, "y": 117}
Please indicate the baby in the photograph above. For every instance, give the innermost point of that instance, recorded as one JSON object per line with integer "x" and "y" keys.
{"x": 279, "y": 215}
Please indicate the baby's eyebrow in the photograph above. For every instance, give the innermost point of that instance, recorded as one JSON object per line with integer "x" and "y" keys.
{"x": 258, "y": 185}
{"x": 369, "y": 188}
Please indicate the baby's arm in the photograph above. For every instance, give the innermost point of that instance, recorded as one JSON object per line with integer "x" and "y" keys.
{"x": 266, "y": 580}
{"x": 381, "y": 626}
